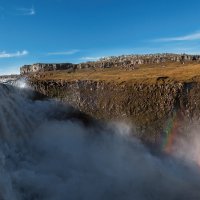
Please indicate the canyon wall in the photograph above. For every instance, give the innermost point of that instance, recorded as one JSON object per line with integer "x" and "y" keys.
{"x": 147, "y": 106}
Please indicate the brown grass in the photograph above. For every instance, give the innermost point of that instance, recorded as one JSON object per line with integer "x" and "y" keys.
{"x": 145, "y": 74}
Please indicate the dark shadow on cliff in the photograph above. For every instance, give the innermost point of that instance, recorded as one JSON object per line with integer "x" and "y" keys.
{"x": 61, "y": 111}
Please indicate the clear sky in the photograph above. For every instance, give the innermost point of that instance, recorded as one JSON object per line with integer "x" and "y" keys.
{"x": 34, "y": 31}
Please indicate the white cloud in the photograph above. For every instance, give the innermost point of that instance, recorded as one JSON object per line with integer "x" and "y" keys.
{"x": 71, "y": 52}
{"x": 90, "y": 58}
{"x": 26, "y": 11}
{"x": 17, "y": 11}
{"x": 190, "y": 37}
{"x": 4, "y": 54}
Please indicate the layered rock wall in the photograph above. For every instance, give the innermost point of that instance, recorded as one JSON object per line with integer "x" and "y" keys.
{"x": 125, "y": 62}
{"x": 27, "y": 69}
{"x": 148, "y": 106}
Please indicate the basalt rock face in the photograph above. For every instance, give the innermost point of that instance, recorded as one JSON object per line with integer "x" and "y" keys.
{"x": 147, "y": 106}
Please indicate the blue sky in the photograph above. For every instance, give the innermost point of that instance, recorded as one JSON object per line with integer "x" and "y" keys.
{"x": 80, "y": 30}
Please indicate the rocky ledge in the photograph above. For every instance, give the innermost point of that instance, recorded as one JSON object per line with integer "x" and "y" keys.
{"x": 128, "y": 62}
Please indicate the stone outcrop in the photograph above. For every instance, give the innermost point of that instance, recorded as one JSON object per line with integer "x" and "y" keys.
{"x": 148, "y": 106}
{"x": 126, "y": 62}
{"x": 41, "y": 67}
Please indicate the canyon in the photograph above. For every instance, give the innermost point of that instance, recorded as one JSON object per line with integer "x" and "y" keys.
{"x": 146, "y": 97}
{"x": 71, "y": 134}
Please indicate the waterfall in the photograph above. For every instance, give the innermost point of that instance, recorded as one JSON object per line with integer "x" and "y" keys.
{"x": 47, "y": 156}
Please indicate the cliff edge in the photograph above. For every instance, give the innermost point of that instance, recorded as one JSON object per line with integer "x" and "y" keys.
{"x": 148, "y": 97}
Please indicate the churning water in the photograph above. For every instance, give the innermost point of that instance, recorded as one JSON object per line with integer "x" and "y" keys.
{"x": 45, "y": 156}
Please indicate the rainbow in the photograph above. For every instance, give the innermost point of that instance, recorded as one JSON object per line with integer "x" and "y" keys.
{"x": 170, "y": 132}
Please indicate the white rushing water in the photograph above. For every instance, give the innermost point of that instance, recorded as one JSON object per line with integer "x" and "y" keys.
{"x": 46, "y": 157}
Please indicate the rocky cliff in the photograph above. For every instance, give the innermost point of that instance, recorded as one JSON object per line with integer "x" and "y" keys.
{"x": 147, "y": 106}
{"x": 153, "y": 98}
{"x": 130, "y": 62}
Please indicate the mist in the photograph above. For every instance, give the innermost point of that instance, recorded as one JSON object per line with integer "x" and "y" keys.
{"x": 45, "y": 156}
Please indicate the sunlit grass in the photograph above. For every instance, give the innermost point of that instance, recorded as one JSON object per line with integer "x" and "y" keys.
{"x": 147, "y": 74}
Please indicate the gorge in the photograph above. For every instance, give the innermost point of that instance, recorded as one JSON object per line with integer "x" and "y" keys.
{"x": 147, "y": 97}
{"x": 47, "y": 152}
{"x": 102, "y": 134}
{"x": 99, "y": 100}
